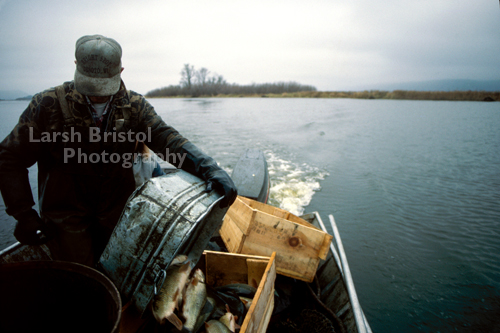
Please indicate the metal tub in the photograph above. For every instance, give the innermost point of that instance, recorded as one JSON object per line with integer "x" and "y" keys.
{"x": 166, "y": 216}
{"x": 57, "y": 297}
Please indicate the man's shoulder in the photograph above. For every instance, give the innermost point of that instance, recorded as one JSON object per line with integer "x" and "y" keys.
{"x": 48, "y": 96}
{"x": 135, "y": 97}
{"x": 46, "y": 99}
{"x": 137, "y": 101}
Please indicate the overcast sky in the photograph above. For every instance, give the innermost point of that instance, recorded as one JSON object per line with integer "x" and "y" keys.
{"x": 330, "y": 44}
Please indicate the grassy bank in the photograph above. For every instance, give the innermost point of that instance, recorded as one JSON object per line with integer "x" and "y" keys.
{"x": 372, "y": 94}
{"x": 400, "y": 94}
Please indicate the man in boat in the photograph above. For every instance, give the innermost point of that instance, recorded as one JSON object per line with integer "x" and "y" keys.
{"x": 82, "y": 134}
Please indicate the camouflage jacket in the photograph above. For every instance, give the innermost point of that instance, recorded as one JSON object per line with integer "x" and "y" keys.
{"x": 79, "y": 175}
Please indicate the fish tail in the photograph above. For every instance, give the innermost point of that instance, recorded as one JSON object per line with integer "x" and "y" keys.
{"x": 185, "y": 267}
{"x": 194, "y": 281}
{"x": 245, "y": 302}
{"x": 175, "y": 321}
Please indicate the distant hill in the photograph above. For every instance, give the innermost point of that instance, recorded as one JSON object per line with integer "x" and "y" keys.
{"x": 442, "y": 85}
{"x": 25, "y": 98}
{"x": 12, "y": 94}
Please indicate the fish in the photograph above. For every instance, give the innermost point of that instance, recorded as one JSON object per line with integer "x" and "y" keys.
{"x": 167, "y": 300}
{"x": 195, "y": 297}
{"x": 215, "y": 326}
{"x": 180, "y": 259}
{"x": 239, "y": 288}
{"x": 219, "y": 303}
{"x": 247, "y": 301}
{"x": 207, "y": 311}
{"x": 229, "y": 320}
{"x": 235, "y": 304}
{"x": 230, "y": 298}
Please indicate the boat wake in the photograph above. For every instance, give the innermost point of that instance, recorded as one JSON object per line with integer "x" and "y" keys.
{"x": 293, "y": 184}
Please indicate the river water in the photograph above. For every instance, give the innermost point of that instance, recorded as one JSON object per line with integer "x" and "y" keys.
{"x": 414, "y": 187}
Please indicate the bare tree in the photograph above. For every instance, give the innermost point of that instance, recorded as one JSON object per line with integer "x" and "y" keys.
{"x": 200, "y": 83}
{"x": 202, "y": 76}
{"x": 187, "y": 75}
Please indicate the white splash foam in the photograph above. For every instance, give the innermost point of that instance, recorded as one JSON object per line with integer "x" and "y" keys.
{"x": 292, "y": 184}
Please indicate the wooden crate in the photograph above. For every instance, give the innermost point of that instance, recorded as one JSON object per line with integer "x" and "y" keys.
{"x": 251, "y": 227}
{"x": 223, "y": 268}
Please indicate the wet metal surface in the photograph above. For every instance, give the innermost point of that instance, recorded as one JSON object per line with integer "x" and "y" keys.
{"x": 166, "y": 216}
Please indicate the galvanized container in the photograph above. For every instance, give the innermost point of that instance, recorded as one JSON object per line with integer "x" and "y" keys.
{"x": 165, "y": 217}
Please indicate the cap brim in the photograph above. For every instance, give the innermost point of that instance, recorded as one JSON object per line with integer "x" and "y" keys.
{"x": 92, "y": 86}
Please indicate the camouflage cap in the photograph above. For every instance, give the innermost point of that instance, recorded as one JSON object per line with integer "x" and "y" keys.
{"x": 98, "y": 66}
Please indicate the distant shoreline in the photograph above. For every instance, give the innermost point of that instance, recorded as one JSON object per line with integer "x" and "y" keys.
{"x": 26, "y": 98}
{"x": 477, "y": 96}
{"x": 470, "y": 95}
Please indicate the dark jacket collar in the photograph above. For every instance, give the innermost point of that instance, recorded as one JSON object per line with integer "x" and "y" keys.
{"x": 121, "y": 98}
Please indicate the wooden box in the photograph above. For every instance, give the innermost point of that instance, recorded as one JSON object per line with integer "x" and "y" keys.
{"x": 223, "y": 268}
{"x": 252, "y": 227}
